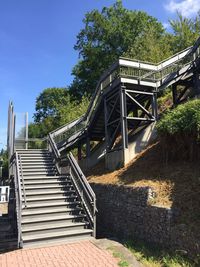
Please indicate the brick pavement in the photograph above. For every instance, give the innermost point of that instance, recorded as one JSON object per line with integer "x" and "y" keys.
{"x": 80, "y": 254}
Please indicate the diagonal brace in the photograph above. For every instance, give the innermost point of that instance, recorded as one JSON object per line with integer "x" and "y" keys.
{"x": 137, "y": 103}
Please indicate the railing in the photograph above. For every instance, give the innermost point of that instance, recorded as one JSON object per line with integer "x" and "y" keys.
{"x": 74, "y": 128}
{"x": 31, "y": 143}
{"x": 140, "y": 71}
{"x": 18, "y": 196}
{"x": 22, "y": 176}
{"x": 145, "y": 71}
{"x": 84, "y": 191}
{"x": 15, "y": 168}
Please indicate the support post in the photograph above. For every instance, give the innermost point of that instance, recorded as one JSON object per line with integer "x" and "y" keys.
{"x": 106, "y": 124}
{"x": 174, "y": 94}
{"x": 26, "y": 129}
{"x": 88, "y": 147}
{"x": 13, "y": 134}
{"x": 196, "y": 83}
{"x": 123, "y": 108}
{"x": 155, "y": 106}
{"x": 79, "y": 152}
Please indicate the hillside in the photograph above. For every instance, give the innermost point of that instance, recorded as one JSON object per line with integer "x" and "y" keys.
{"x": 176, "y": 183}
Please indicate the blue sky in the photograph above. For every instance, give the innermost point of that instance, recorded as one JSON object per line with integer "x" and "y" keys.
{"x": 37, "y": 39}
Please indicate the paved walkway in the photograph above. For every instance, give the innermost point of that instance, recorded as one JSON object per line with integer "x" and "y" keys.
{"x": 80, "y": 254}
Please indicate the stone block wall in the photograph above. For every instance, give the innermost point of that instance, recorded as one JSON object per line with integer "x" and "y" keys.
{"x": 126, "y": 213}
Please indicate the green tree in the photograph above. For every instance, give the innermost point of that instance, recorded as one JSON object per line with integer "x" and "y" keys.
{"x": 185, "y": 30}
{"x": 54, "y": 108}
{"x": 106, "y": 36}
{"x": 151, "y": 45}
{"x": 4, "y": 158}
{"x": 49, "y": 101}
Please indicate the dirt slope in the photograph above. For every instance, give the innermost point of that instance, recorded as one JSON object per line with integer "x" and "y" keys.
{"x": 176, "y": 183}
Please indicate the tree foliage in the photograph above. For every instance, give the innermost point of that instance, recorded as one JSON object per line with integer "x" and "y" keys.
{"x": 151, "y": 45}
{"x": 179, "y": 132}
{"x": 185, "y": 31}
{"x": 55, "y": 107}
{"x": 49, "y": 102}
{"x": 106, "y": 36}
{"x": 184, "y": 119}
{"x": 4, "y": 159}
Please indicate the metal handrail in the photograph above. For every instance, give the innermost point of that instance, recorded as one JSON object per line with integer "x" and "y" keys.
{"x": 28, "y": 140}
{"x": 22, "y": 177}
{"x": 80, "y": 182}
{"x": 159, "y": 63}
{"x": 85, "y": 183}
{"x": 18, "y": 196}
{"x": 53, "y": 146}
{"x": 62, "y": 129}
{"x": 84, "y": 191}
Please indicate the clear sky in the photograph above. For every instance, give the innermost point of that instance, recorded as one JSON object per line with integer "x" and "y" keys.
{"x": 37, "y": 39}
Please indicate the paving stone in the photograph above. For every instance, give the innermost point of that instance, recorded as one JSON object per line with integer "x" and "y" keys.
{"x": 80, "y": 254}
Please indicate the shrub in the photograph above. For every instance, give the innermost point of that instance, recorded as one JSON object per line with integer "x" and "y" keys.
{"x": 183, "y": 119}
{"x": 179, "y": 130}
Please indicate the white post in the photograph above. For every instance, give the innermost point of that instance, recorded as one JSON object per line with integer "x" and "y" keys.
{"x": 26, "y": 130}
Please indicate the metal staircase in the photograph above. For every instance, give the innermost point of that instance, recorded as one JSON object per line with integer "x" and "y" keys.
{"x": 53, "y": 201}
{"x": 51, "y": 210}
{"x": 125, "y": 100}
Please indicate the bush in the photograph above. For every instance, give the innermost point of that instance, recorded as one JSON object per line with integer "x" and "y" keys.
{"x": 183, "y": 119}
{"x": 179, "y": 130}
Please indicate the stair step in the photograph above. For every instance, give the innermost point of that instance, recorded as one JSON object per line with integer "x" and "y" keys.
{"x": 57, "y": 235}
{"x": 42, "y": 183}
{"x": 37, "y": 187}
{"x": 33, "y": 151}
{"x": 41, "y": 198}
{"x": 46, "y": 185}
{"x": 37, "y": 177}
{"x": 39, "y": 173}
{"x": 46, "y": 192}
{"x": 59, "y": 225}
{"x": 50, "y": 199}
{"x": 46, "y": 181}
{"x": 38, "y": 165}
{"x": 39, "y": 216}
{"x": 33, "y": 160}
{"x": 52, "y": 217}
{"x": 50, "y": 196}
{"x": 38, "y": 169}
{"x": 35, "y": 154}
{"x": 37, "y": 211}
{"x": 53, "y": 204}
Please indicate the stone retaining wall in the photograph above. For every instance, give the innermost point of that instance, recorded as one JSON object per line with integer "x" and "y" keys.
{"x": 126, "y": 213}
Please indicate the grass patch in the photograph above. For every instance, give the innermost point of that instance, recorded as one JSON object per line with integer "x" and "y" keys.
{"x": 122, "y": 262}
{"x": 155, "y": 257}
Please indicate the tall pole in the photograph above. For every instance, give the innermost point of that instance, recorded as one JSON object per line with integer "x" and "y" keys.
{"x": 26, "y": 130}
